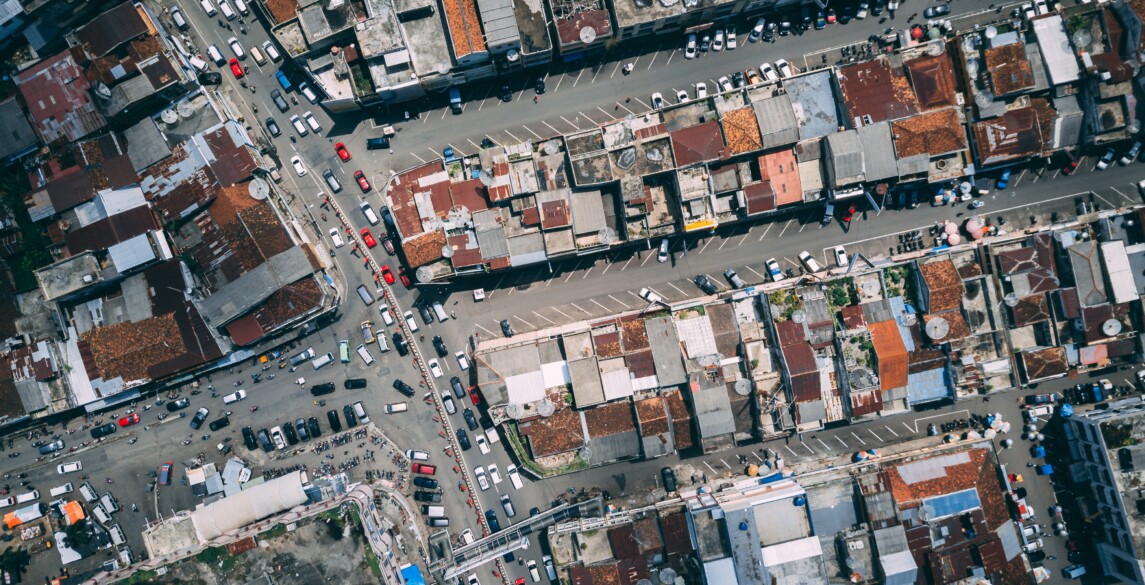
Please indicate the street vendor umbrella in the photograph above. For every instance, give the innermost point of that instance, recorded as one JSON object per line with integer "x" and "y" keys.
{"x": 1066, "y": 410}
{"x": 990, "y": 433}
{"x": 964, "y": 186}
{"x": 916, "y": 32}
{"x": 951, "y": 228}
{"x": 954, "y": 239}
{"x": 934, "y": 33}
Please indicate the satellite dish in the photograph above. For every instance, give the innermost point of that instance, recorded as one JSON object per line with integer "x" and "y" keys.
{"x": 743, "y": 387}
{"x": 512, "y": 56}
{"x": 668, "y": 576}
{"x": 551, "y": 147}
{"x": 447, "y": 251}
{"x": 459, "y": 214}
{"x": 972, "y": 67}
{"x": 607, "y": 235}
{"x": 259, "y": 189}
{"x": 1111, "y": 327}
{"x": 185, "y": 109}
{"x": 586, "y": 453}
{"x": 910, "y": 319}
{"x": 1082, "y": 38}
{"x": 587, "y": 35}
{"x": 626, "y": 159}
{"x": 799, "y": 317}
{"x": 514, "y": 411}
{"x": 1011, "y": 300}
{"x": 545, "y": 408}
{"x": 938, "y": 328}
{"x": 169, "y": 116}
{"x": 654, "y": 155}
{"x": 423, "y": 274}
{"x": 669, "y": 2}
{"x": 991, "y": 31}
{"x": 926, "y": 512}
{"x": 935, "y": 48}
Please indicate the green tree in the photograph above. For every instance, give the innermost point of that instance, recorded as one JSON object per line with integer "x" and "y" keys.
{"x": 76, "y": 534}
{"x": 14, "y": 560}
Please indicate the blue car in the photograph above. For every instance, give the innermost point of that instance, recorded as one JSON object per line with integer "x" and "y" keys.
{"x": 1003, "y": 181}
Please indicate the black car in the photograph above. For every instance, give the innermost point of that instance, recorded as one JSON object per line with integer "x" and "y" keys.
{"x": 458, "y": 388}
{"x": 320, "y": 389}
{"x": 738, "y": 79}
{"x": 300, "y": 424}
{"x": 506, "y": 94}
{"x": 210, "y": 78}
{"x": 279, "y": 101}
{"x": 470, "y": 420}
{"x": 439, "y": 346}
{"x": 506, "y": 328}
{"x": 491, "y": 520}
{"x": 354, "y": 383}
{"x": 425, "y": 482}
{"x": 272, "y": 127}
{"x": 388, "y": 218}
{"x": 878, "y": 8}
{"x": 400, "y": 344}
{"x": 219, "y": 423}
{"x": 264, "y": 440}
{"x": 431, "y": 497}
{"x": 704, "y": 284}
{"x": 1037, "y": 556}
{"x": 463, "y": 440}
{"x": 669, "y": 477}
{"x": 332, "y": 418}
{"x": 200, "y": 417}
{"x": 179, "y": 404}
{"x": 403, "y": 388}
{"x": 312, "y": 426}
{"x": 248, "y": 438}
{"x": 426, "y": 314}
{"x": 539, "y": 85}
{"x": 288, "y": 432}
{"x": 935, "y": 11}
{"x": 105, "y": 430}
{"x": 351, "y": 420}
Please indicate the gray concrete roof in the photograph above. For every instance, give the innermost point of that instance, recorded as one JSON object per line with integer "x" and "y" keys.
{"x": 252, "y": 288}
{"x": 777, "y": 122}
{"x": 813, "y": 99}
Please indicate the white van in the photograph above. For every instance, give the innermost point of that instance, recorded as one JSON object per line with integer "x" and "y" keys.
{"x": 234, "y": 397}
{"x": 242, "y": 7}
{"x": 271, "y": 51}
{"x": 116, "y": 535}
{"x": 369, "y": 213}
{"x": 28, "y": 497}
{"x": 383, "y": 343}
{"x": 365, "y": 354}
{"x": 393, "y": 408}
{"x": 100, "y": 514}
{"x": 88, "y": 493}
{"x": 208, "y": 7}
{"x": 1043, "y": 410}
{"x": 257, "y": 55}
{"x": 322, "y": 360}
{"x": 439, "y": 310}
{"x": 178, "y": 18}
{"x": 433, "y": 511}
{"x": 216, "y": 55}
{"x": 61, "y": 490}
{"x": 417, "y": 455}
{"x": 226, "y": 8}
{"x": 304, "y": 89}
{"x": 108, "y": 502}
{"x": 199, "y": 64}
{"x": 360, "y": 412}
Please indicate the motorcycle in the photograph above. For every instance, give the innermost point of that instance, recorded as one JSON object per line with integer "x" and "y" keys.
{"x": 253, "y": 408}
{"x": 628, "y": 67}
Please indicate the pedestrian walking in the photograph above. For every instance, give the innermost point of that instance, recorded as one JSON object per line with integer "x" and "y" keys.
{"x": 536, "y": 99}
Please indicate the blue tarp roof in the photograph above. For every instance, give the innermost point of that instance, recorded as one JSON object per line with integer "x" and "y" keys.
{"x": 412, "y": 575}
{"x": 955, "y": 503}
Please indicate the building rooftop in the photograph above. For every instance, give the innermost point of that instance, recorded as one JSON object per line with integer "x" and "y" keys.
{"x": 700, "y": 143}
{"x": 1030, "y": 310}
{"x": 1061, "y": 64}
{"x": 874, "y": 92}
{"x": 812, "y": 98}
{"x": 19, "y": 135}
{"x": 741, "y": 131}
{"x": 464, "y": 28}
{"x": 581, "y": 22}
{"x": 532, "y": 26}
{"x": 59, "y": 100}
{"x": 1013, "y": 135}
{"x": 891, "y": 354}
{"x": 1088, "y": 273}
{"x": 1044, "y": 363}
{"x": 776, "y": 120}
{"x": 558, "y": 433}
{"x": 944, "y": 283}
{"x": 1009, "y": 69}
{"x": 499, "y": 22}
{"x": 321, "y": 20}
{"x": 932, "y": 133}
{"x": 111, "y": 29}
{"x": 932, "y": 77}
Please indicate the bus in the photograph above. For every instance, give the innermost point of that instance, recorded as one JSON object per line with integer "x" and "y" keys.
{"x": 344, "y": 351}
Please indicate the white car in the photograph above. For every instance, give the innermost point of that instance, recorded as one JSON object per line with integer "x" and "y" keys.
{"x": 768, "y": 72}
{"x": 784, "y": 68}
{"x": 1028, "y": 10}
{"x": 410, "y": 320}
{"x": 725, "y": 84}
{"x": 64, "y": 468}
{"x": 434, "y": 368}
{"x": 387, "y": 314}
{"x": 236, "y": 48}
{"x": 682, "y": 97}
{"x": 482, "y": 444}
{"x": 462, "y": 361}
{"x": 299, "y": 127}
{"x": 472, "y": 580}
{"x": 718, "y": 42}
{"x": 310, "y": 121}
{"x": 271, "y": 51}
{"x": 657, "y": 101}
{"x": 296, "y": 162}
{"x": 335, "y": 236}
{"x": 701, "y": 90}
{"x": 690, "y": 47}
{"x": 1041, "y": 7}
{"x": 514, "y": 477}
{"x": 841, "y": 256}
{"x": 482, "y": 481}
{"x": 731, "y": 40}
{"x": 9, "y": 501}
{"x": 757, "y": 30}
{"x": 773, "y": 270}
{"x": 647, "y": 294}
{"x": 809, "y": 262}
{"x": 494, "y": 473}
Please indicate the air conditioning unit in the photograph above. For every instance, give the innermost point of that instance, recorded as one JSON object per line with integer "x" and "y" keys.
{"x": 90, "y": 278}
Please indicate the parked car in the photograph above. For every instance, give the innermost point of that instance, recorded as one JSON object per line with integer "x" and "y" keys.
{"x": 704, "y": 284}
{"x": 784, "y": 68}
{"x": 734, "y": 278}
{"x": 701, "y": 90}
{"x": 718, "y": 41}
{"x": 936, "y": 11}
{"x": 1131, "y": 155}
{"x": 809, "y": 262}
{"x": 773, "y": 270}
{"x": 657, "y": 101}
{"x": 690, "y": 47}
{"x": 757, "y": 30}
{"x": 841, "y": 256}
{"x": 506, "y": 328}
{"x": 768, "y": 72}
{"x": 1003, "y": 180}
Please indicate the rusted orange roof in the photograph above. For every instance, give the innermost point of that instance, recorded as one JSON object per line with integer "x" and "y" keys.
{"x": 934, "y": 133}
{"x": 464, "y": 27}
{"x": 741, "y": 131}
{"x": 890, "y": 353}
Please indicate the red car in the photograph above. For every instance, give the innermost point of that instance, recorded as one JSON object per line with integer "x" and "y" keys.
{"x": 405, "y": 278}
{"x": 1070, "y": 166}
{"x": 129, "y": 420}
{"x": 343, "y": 154}
{"x": 423, "y": 468}
{"x": 474, "y": 396}
{"x": 387, "y": 273}
{"x": 236, "y": 68}
{"x": 362, "y": 182}
{"x": 368, "y": 238}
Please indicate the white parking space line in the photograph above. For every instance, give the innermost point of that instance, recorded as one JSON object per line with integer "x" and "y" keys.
{"x": 716, "y": 282}
{"x": 514, "y": 137}
{"x": 486, "y": 330}
{"x": 561, "y": 312}
{"x": 559, "y": 82}
{"x": 587, "y": 272}
{"x": 1123, "y": 196}
{"x": 577, "y": 80}
{"x": 570, "y": 123}
{"x": 605, "y": 112}
{"x": 551, "y": 127}
{"x": 857, "y": 438}
{"x": 725, "y": 463}
{"x": 635, "y": 295}
{"x": 578, "y": 307}
{"x": 757, "y": 455}
{"x": 705, "y": 247}
{"x": 670, "y": 55}
{"x": 891, "y": 431}
{"x": 418, "y": 157}
{"x": 679, "y": 289}
{"x": 809, "y": 449}
{"x": 908, "y": 427}
{"x": 551, "y": 322}
{"x": 822, "y": 443}
{"x": 619, "y": 301}
{"x": 785, "y": 226}
{"x": 646, "y": 106}
{"x": 793, "y": 453}
{"x": 709, "y": 466}
{"x": 876, "y": 436}
{"x": 842, "y": 441}
{"x": 744, "y": 238}
{"x": 475, "y": 145}
{"x": 435, "y": 155}
{"x": 653, "y": 59}
{"x": 607, "y": 266}
{"x": 723, "y": 243}
{"x": 586, "y": 117}
{"x": 530, "y": 131}
{"x": 764, "y": 234}
{"x": 646, "y": 259}
{"x": 761, "y": 277}
{"x": 630, "y": 259}
{"x": 1107, "y": 202}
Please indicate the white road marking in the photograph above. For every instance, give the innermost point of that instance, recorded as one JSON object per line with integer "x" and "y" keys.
{"x": 551, "y": 127}
{"x": 876, "y": 436}
{"x": 551, "y": 322}
{"x": 578, "y": 307}
{"x": 891, "y": 430}
{"x": 518, "y": 317}
{"x": 857, "y": 438}
{"x": 577, "y": 80}
{"x": 570, "y": 123}
{"x": 766, "y": 230}
{"x": 530, "y": 131}
{"x": 793, "y": 453}
{"x": 619, "y": 301}
{"x": 679, "y": 289}
{"x": 822, "y": 443}
{"x": 709, "y": 466}
{"x": 908, "y": 427}
{"x": 486, "y": 330}
{"x": 761, "y": 277}
{"x": 705, "y": 247}
{"x": 630, "y": 259}
{"x": 514, "y": 137}
{"x": 841, "y": 441}
{"x": 561, "y": 312}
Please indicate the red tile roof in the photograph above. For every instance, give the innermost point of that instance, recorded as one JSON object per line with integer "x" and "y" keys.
{"x": 800, "y": 359}
{"x": 1030, "y": 310}
{"x": 558, "y": 433}
{"x": 464, "y": 27}
{"x": 741, "y": 131}
{"x": 58, "y": 97}
{"x": 933, "y": 133}
{"x": 652, "y": 416}
{"x": 780, "y": 168}
{"x": 569, "y": 28}
{"x": 875, "y": 89}
{"x": 234, "y": 162}
{"x": 1015, "y": 134}
{"x": 759, "y": 197}
{"x": 699, "y": 143}
{"x": 945, "y": 286}
{"x": 853, "y": 317}
{"x": 1009, "y": 68}
{"x": 610, "y": 419}
{"x": 401, "y": 197}
{"x": 681, "y": 419}
{"x": 932, "y": 77}
{"x": 891, "y": 354}
{"x": 421, "y": 249}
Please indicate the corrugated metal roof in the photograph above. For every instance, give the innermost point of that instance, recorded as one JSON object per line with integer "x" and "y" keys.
{"x": 1056, "y": 49}
{"x": 134, "y": 252}
{"x": 878, "y": 151}
{"x": 665, "y": 347}
{"x": 588, "y": 212}
{"x": 814, "y": 104}
{"x": 777, "y": 122}
{"x": 493, "y": 243}
{"x": 1119, "y": 271}
{"x": 499, "y": 23}
{"x": 847, "y": 161}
